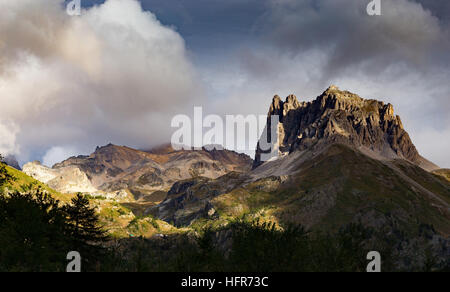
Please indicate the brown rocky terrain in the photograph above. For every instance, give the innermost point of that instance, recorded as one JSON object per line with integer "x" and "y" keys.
{"x": 342, "y": 117}
{"x": 113, "y": 168}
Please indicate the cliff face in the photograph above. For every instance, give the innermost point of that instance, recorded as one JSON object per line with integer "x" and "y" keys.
{"x": 68, "y": 179}
{"x": 342, "y": 117}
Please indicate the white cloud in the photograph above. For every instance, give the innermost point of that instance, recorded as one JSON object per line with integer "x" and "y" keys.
{"x": 58, "y": 154}
{"x": 114, "y": 74}
{"x": 8, "y": 133}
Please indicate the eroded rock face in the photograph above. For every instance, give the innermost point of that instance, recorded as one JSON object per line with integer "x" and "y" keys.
{"x": 65, "y": 180}
{"x": 341, "y": 117}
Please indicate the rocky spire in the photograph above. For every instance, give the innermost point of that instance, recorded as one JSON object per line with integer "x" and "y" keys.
{"x": 276, "y": 106}
{"x": 338, "y": 116}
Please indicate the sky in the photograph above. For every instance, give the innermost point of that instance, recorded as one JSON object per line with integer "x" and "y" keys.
{"x": 122, "y": 69}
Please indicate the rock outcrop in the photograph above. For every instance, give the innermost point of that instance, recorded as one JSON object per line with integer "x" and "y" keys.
{"x": 68, "y": 179}
{"x": 191, "y": 199}
{"x": 341, "y": 117}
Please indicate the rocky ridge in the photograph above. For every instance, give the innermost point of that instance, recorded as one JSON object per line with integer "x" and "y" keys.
{"x": 341, "y": 117}
{"x": 116, "y": 168}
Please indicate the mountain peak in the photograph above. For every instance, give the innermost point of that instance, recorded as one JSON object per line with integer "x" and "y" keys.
{"x": 109, "y": 145}
{"x": 276, "y": 106}
{"x": 338, "y": 116}
{"x": 291, "y": 99}
{"x": 332, "y": 88}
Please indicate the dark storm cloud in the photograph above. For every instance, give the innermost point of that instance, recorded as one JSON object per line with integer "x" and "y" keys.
{"x": 207, "y": 24}
{"x": 409, "y": 32}
{"x": 404, "y": 33}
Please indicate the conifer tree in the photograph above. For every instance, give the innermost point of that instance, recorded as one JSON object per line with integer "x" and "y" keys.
{"x": 84, "y": 229}
{"x": 31, "y": 233}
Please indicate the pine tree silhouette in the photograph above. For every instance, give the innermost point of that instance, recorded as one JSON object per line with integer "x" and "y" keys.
{"x": 84, "y": 229}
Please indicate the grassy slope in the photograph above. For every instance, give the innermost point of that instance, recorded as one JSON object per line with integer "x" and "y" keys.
{"x": 340, "y": 186}
{"x": 25, "y": 183}
{"x": 445, "y": 173}
{"x": 121, "y": 222}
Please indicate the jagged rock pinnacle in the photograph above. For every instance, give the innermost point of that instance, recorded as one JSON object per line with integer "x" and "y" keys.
{"x": 338, "y": 116}
{"x": 332, "y": 87}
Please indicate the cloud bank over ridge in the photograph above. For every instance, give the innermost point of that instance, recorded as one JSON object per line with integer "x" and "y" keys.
{"x": 115, "y": 73}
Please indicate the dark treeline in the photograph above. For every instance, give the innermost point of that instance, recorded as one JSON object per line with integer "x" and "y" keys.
{"x": 37, "y": 231}
{"x": 255, "y": 247}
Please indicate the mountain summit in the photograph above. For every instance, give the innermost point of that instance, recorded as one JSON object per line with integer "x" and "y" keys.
{"x": 343, "y": 117}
